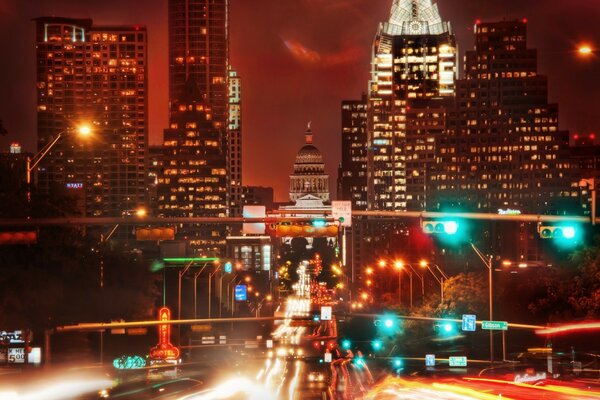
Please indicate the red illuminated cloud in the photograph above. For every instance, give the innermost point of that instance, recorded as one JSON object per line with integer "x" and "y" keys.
{"x": 309, "y": 56}
{"x": 302, "y": 53}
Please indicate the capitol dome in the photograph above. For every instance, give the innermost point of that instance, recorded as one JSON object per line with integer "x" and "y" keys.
{"x": 309, "y": 173}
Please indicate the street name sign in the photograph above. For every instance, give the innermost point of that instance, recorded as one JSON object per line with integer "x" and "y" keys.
{"x": 494, "y": 325}
{"x": 458, "y": 361}
{"x": 469, "y": 323}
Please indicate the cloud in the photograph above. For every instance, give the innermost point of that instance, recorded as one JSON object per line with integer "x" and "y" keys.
{"x": 309, "y": 56}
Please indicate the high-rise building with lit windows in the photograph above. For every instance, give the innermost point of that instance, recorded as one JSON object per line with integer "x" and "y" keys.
{"x": 413, "y": 61}
{"x": 199, "y": 48}
{"x": 95, "y": 75}
{"x": 193, "y": 179}
{"x": 352, "y": 173}
{"x": 504, "y": 148}
{"x": 234, "y": 143}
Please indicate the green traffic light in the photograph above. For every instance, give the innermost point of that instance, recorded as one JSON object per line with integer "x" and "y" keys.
{"x": 346, "y": 344}
{"x": 377, "y": 345}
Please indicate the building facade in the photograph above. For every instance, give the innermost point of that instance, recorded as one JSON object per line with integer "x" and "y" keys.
{"x": 504, "y": 148}
{"x": 234, "y": 130}
{"x": 414, "y": 59}
{"x": 94, "y": 75}
{"x": 352, "y": 173}
{"x": 193, "y": 180}
{"x": 309, "y": 177}
{"x": 199, "y": 49}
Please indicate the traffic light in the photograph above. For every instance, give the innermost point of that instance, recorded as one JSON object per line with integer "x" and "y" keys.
{"x": 20, "y": 237}
{"x": 155, "y": 234}
{"x": 346, "y": 344}
{"x": 564, "y": 235}
{"x": 388, "y": 325}
{"x": 438, "y": 227}
{"x": 377, "y": 344}
{"x": 228, "y": 267}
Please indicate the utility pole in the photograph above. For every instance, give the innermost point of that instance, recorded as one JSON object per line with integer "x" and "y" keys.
{"x": 487, "y": 261}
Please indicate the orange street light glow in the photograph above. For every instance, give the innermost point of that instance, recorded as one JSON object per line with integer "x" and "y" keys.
{"x": 84, "y": 130}
{"x": 423, "y": 264}
{"x": 364, "y": 296}
{"x": 381, "y": 263}
{"x": 369, "y": 271}
{"x": 584, "y": 49}
{"x": 399, "y": 265}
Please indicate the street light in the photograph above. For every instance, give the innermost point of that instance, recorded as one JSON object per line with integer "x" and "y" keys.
{"x": 32, "y": 162}
{"x": 399, "y": 265}
{"x": 585, "y": 50}
{"x": 440, "y": 280}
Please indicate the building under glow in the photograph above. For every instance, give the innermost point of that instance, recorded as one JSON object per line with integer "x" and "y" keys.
{"x": 352, "y": 172}
{"x": 193, "y": 181}
{"x": 199, "y": 49}
{"x": 504, "y": 148}
{"x": 95, "y": 75}
{"x": 413, "y": 61}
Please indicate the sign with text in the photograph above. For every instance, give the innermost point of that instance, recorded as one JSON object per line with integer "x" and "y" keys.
{"x": 341, "y": 210}
{"x": 469, "y": 323}
{"x": 326, "y": 313}
{"x": 164, "y": 350}
{"x": 16, "y": 355}
{"x": 459, "y": 361}
{"x": 494, "y": 325}
{"x": 327, "y": 357}
{"x": 241, "y": 292}
{"x": 12, "y": 337}
{"x": 430, "y": 360}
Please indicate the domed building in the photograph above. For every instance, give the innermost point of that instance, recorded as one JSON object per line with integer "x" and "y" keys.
{"x": 309, "y": 180}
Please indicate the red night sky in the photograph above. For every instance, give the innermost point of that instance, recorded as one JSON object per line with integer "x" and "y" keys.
{"x": 299, "y": 59}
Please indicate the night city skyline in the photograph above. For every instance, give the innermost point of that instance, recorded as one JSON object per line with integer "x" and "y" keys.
{"x": 310, "y": 42}
{"x": 299, "y": 199}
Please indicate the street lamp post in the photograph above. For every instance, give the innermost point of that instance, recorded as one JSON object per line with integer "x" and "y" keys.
{"x": 440, "y": 280}
{"x": 210, "y": 275}
{"x": 32, "y": 162}
{"x": 488, "y": 263}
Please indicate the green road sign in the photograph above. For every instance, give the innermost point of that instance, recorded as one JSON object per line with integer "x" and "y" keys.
{"x": 458, "y": 361}
{"x": 494, "y": 325}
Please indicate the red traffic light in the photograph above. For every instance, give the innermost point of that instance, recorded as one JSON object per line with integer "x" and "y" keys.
{"x": 20, "y": 237}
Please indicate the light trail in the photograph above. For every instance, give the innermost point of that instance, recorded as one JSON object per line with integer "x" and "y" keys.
{"x": 570, "y": 328}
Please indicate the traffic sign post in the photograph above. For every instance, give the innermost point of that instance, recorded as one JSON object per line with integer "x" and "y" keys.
{"x": 430, "y": 360}
{"x": 469, "y": 323}
{"x": 326, "y": 313}
{"x": 341, "y": 210}
{"x": 494, "y": 325}
{"x": 460, "y": 361}
{"x": 241, "y": 293}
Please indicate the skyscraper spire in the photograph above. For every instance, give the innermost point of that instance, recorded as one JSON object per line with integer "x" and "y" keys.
{"x": 415, "y": 17}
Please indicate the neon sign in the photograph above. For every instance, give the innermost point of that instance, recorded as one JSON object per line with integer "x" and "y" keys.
{"x": 164, "y": 350}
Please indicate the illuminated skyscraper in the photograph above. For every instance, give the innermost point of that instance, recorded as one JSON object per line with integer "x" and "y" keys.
{"x": 95, "y": 75}
{"x": 199, "y": 50}
{"x": 505, "y": 148}
{"x": 413, "y": 62}
{"x": 352, "y": 174}
{"x": 193, "y": 181}
{"x": 234, "y": 130}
